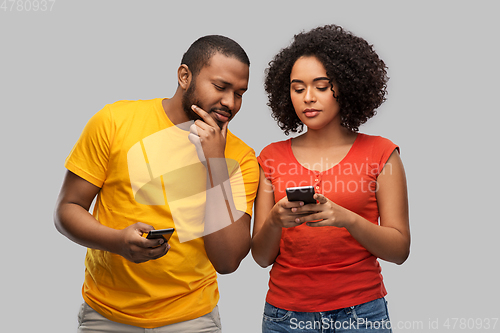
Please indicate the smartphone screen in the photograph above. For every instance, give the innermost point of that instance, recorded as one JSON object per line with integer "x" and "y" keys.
{"x": 301, "y": 193}
{"x": 165, "y": 233}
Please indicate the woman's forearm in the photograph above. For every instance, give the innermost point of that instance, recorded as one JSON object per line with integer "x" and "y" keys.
{"x": 386, "y": 243}
{"x": 266, "y": 243}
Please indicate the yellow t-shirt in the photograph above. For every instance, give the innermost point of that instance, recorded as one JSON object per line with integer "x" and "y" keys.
{"x": 149, "y": 172}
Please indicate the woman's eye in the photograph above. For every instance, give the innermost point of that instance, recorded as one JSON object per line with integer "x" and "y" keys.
{"x": 322, "y": 88}
{"x": 298, "y": 91}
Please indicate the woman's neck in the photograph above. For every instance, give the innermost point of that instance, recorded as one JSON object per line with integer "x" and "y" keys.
{"x": 325, "y": 138}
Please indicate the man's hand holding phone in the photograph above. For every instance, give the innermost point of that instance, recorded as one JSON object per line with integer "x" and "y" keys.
{"x": 161, "y": 233}
{"x": 136, "y": 248}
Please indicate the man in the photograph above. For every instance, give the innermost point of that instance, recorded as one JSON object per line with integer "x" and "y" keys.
{"x": 163, "y": 163}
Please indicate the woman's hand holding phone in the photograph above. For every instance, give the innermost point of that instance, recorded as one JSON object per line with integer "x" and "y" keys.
{"x": 326, "y": 213}
{"x": 283, "y": 215}
{"x": 317, "y": 211}
{"x": 287, "y": 211}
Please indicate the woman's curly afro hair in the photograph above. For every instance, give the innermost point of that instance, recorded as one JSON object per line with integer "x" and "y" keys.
{"x": 351, "y": 64}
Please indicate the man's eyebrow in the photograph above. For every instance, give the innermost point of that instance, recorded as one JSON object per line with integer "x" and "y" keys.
{"x": 316, "y": 79}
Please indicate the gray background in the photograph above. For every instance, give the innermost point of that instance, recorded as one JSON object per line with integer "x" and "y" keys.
{"x": 59, "y": 67}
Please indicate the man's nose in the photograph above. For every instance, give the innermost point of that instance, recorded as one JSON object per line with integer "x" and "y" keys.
{"x": 228, "y": 100}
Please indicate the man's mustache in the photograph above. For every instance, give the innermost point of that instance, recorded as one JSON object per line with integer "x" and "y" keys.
{"x": 224, "y": 109}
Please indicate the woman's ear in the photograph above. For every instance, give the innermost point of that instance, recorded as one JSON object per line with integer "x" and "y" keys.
{"x": 184, "y": 76}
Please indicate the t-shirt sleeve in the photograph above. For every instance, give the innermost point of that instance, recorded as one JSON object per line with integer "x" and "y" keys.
{"x": 265, "y": 161}
{"x": 383, "y": 148}
{"x": 89, "y": 157}
{"x": 250, "y": 171}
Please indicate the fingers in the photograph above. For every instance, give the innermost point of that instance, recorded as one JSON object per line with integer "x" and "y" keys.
{"x": 290, "y": 204}
{"x": 139, "y": 249}
{"x": 208, "y": 123}
{"x": 315, "y": 217}
{"x": 194, "y": 139}
{"x": 224, "y": 129}
{"x": 199, "y": 127}
{"x": 150, "y": 249}
{"x": 142, "y": 228}
{"x": 318, "y": 223}
{"x": 204, "y": 115}
{"x": 157, "y": 252}
{"x": 151, "y": 253}
{"x": 193, "y": 136}
{"x": 151, "y": 243}
{"x": 204, "y": 130}
{"x": 287, "y": 213}
{"x": 321, "y": 198}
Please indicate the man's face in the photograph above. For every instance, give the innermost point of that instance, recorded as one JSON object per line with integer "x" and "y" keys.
{"x": 218, "y": 89}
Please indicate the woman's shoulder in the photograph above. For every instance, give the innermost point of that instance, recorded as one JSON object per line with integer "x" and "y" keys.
{"x": 375, "y": 141}
{"x": 376, "y": 147}
{"x": 373, "y": 138}
{"x": 274, "y": 147}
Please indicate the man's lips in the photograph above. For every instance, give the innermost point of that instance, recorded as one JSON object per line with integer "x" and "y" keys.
{"x": 221, "y": 115}
{"x": 310, "y": 113}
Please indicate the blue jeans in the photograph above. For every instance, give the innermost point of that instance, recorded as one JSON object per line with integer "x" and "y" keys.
{"x": 367, "y": 317}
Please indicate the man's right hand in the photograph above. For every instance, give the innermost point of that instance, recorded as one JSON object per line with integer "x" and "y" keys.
{"x": 138, "y": 249}
{"x": 72, "y": 219}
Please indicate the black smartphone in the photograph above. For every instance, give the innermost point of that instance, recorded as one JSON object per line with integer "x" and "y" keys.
{"x": 165, "y": 233}
{"x": 301, "y": 193}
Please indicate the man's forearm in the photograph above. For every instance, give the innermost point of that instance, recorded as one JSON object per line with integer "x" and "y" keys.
{"x": 76, "y": 223}
{"x": 227, "y": 247}
{"x": 227, "y": 230}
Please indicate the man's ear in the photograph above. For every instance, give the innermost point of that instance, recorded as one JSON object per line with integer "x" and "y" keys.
{"x": 184, "y": 76}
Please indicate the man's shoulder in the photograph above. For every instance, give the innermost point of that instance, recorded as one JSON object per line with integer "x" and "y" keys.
{"x": 235, "y": 147}
{"x": 133, "y": 105}
{"x": 125, "y": 111}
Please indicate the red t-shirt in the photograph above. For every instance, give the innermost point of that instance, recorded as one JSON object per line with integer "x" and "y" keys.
{"x": 325, "y": 268}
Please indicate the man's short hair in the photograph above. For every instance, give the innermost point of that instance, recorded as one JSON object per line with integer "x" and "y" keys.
{"x": 200, "y": 52}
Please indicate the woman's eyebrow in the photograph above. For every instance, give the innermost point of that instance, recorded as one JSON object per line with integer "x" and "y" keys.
{"x": 316, "y": 79}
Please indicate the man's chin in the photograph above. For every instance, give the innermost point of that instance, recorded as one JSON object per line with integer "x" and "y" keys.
{"x": 220, "y": 123}
{"x": 194, "y": 116}
{"x": 212, "y": 115}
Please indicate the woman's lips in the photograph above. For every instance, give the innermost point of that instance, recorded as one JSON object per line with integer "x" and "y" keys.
{"x": 310, "y": 113}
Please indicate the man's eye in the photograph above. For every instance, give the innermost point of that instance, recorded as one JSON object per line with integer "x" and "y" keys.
{"x": 218, "y": 87}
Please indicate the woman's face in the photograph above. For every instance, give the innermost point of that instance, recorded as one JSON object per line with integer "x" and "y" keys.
{"x": 312, "y": 95}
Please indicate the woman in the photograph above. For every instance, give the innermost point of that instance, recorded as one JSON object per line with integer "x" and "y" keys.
{"x": 325, "y": 274}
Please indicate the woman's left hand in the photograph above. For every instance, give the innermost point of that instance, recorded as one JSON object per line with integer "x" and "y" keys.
{"x": 324, "y": 213}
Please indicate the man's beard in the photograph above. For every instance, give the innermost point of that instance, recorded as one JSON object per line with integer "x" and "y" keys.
{"x": 189, "y": 99}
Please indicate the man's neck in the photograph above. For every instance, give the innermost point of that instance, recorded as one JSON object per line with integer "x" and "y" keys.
{"x": 173, "y": 109}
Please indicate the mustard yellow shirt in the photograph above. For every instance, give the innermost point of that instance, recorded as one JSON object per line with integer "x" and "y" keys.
{"x": 149, "y": 172}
